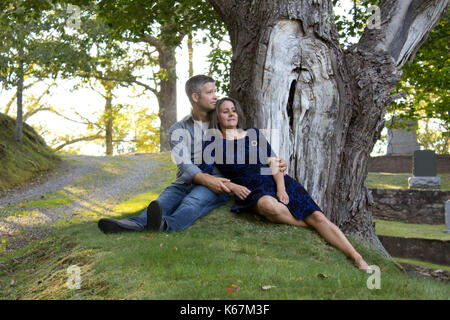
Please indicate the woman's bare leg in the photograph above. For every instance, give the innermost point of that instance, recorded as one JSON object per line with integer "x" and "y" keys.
{"x": 276, "y": 212}
{"x": 331, "y": 233}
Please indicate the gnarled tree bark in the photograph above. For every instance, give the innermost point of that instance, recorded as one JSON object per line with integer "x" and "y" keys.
{"x": 290, "y": 74}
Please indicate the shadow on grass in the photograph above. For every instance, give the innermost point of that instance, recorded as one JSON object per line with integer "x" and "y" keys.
{"x": 219, "y": 251}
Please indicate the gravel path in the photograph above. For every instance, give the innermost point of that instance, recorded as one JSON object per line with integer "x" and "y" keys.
{"x": 82, "y": 184}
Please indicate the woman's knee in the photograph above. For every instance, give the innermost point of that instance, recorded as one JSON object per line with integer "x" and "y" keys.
{"x": 317, "y": 217}
{"x": 267, "y": 206}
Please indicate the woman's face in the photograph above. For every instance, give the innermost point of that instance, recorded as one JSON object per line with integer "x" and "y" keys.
{"x": 228, "y": 117}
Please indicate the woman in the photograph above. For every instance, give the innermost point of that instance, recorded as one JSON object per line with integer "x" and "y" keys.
{"x": 279, "y": 198}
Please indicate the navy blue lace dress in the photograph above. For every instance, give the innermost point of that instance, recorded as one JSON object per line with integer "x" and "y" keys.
{"x": 244, "y": 162}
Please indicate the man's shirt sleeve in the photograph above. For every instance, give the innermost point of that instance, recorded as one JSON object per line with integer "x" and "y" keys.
{"x": 180, "y": 145}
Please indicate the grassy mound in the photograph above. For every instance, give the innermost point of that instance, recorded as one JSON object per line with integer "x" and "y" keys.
{"x": 221, "y": 256}
{"x": 21, "y": 162}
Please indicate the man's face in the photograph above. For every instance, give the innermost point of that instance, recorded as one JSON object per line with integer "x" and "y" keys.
{"x": 207, "y": 99}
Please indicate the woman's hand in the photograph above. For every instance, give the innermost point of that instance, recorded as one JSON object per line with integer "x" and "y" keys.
{"x": 283, "y": 196}
{"x": 277, "y": 165}
{"x": 240, "y": 191}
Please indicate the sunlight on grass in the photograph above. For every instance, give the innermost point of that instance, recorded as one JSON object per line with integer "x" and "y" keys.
{"x": 423, "y": 264}
{"x": 410, "y": 230}
{"x": 47, "y": 203}
{"x": 220, "y": 250}
{"x": 383, "y": 180}
{"x": 137, "y": 203}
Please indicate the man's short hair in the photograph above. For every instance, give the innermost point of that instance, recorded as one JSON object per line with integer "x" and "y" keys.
{"x": 195, "y": 85}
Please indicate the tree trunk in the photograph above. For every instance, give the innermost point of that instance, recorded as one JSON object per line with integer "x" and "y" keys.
{"x": 191, "y": 54}
{"x": 19, "y": 119}
{"x": 325, "y": 107}
{"x": 108, "y": 121}
{"x": 167, "y": 98}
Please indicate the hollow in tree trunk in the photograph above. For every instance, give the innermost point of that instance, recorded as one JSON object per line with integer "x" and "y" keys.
{"x": 325, "y": 106}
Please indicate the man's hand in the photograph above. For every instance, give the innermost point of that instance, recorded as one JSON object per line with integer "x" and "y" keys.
{"x": 215, "y": 184}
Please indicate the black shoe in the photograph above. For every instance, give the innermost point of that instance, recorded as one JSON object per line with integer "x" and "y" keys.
{"x": 155, "y": 221}
{"x": 110, "y": 226}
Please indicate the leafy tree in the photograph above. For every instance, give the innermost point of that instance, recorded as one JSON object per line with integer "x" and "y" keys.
{"x": 33, "y": 45}
{"x": 425, "y": 81}
{"x": 163, "y": 25}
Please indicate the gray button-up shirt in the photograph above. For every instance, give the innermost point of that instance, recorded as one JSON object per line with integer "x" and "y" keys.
{"x": 186, "y": 145}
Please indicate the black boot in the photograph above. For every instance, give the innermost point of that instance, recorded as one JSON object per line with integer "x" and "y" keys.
{"x": 155, "y": 220}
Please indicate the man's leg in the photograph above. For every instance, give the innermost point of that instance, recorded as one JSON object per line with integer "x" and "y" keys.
{"x": 169, "y": 199}
{"x": 195, "y": 205}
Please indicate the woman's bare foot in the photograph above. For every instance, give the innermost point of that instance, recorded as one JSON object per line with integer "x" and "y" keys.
{"x": 361, "y": 264}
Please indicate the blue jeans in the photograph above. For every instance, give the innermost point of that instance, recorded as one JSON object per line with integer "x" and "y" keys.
{"x": 182, "y": 204}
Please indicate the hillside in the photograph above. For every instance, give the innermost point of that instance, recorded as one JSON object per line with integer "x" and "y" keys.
{"x": 21, "y": 162}
{"x": 221, "y": 256}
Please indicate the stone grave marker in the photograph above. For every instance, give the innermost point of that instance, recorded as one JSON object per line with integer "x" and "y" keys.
{"x": 402, "y": 141}
{"x": 424, "y": 171}
{"x": 447, "y": 216}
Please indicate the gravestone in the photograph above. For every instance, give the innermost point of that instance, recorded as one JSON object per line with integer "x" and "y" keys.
{"x": 402, "y": 141}
{"x": 447, "y": 216}
{"x": 424, "y": 171}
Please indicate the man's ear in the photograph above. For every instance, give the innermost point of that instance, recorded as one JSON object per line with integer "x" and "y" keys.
{"x": 195, "y": 97}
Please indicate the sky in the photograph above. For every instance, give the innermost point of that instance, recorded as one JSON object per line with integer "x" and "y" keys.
{"x": 89, "y": 103}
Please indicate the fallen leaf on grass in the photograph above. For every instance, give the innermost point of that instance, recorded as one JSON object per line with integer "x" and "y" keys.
{"x": 264, "y": 288}
{"x": 322, "y": 276}
{"x": 12, "y": 283}
{"x": 148, "y": 236}
{"x": 161, "y": 245}
{"x": 234, "y": 288}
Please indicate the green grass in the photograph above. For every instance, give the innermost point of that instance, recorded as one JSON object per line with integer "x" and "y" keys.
{"x": 222, "y": 250}
{"x": 423, "y": 264}
{"x": 217, "y": 252}
{"x": 410, "y": 230}
{"x": 21, "y": 162}
{"x": 398, "y": 180}
{"x": 47, "y": 203}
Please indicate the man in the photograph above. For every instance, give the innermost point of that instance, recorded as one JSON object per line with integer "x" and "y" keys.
{"x": 193, "y": 193}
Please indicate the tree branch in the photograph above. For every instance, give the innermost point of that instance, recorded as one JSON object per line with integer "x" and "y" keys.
{"x": 405, "y": 25}
{"x": 222, "y": 7}
{"x": 13, "y": 98}
{"x": 89, "y": 138}
{"x": 130, "y": 81}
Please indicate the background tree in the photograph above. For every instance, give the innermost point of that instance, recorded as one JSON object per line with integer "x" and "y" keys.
{"x": 426, "y": 83}
{"x": 22, "y": 49}
{"x": 163, "y": 25}
{"x": 425, "y": 79}
{"x": 34, "y": 46}
{"x": 291, "y": 74}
